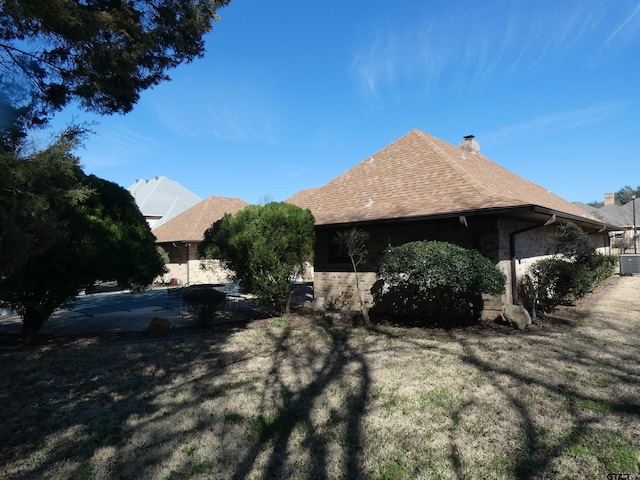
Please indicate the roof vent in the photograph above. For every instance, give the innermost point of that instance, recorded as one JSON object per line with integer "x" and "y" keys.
{"x": 470, "y": 144}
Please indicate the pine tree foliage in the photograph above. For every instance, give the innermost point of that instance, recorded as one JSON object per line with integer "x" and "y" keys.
{"x": 100, "y": 53}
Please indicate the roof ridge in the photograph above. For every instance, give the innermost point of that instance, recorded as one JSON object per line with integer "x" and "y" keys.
{"x": 474, "y": 182}
{"x": 420, "y": 175}
{"x": 221, "y": 196}
{"x": 486, "y": 189}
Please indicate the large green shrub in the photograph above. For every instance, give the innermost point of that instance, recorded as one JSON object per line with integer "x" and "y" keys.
{"x": 266, "y": 248}
{"x": 436, "y": 282}
{"x": 574, "y": 270}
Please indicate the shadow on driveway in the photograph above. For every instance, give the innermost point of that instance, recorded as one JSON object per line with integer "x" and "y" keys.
{"x": 99, "y": 303}
{"x": 110, "y": 312}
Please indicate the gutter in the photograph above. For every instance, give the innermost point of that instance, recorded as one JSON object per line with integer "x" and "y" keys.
{"x": 515, "y": 211}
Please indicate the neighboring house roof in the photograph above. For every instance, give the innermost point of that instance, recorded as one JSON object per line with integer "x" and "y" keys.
{"x": 587, "y": 208}
{"x": 421, "y": 176}
{"x": 191, "y": 224}
{"x": 161, "y": 198}
{"x": 619, "y": 215}
{"x": 627, "y": 208}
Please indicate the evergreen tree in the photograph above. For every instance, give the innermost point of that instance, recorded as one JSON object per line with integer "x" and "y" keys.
{"x": 266, "y": 247}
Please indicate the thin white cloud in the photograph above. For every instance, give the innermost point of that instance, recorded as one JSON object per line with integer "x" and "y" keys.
{"x": 555, "y": 122}
{"x": 214, "y": 117}
{"x": 630, "y": 24}
{"x": 176, "y": 119}
{"x": 378, "y": 62}
{"x": 469, "y": 48}
{"x": 238, "y": 124}
{"x": 116, "y": 147}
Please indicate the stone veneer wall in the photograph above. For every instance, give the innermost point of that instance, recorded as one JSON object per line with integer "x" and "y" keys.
{"x": 530, "y": 246}
{"x": 188, "y": 271}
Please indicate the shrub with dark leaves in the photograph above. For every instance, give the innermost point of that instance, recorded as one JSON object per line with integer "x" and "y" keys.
{"x": 204, "y": 302}
{"x": 436, "y": 283}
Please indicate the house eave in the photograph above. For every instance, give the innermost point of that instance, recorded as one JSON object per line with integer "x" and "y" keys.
{"x": 183, "y": 242}
{"x": 533, "y": 213}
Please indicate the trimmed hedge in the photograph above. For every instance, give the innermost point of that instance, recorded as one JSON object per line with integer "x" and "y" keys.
{"x": 435, "y": 283}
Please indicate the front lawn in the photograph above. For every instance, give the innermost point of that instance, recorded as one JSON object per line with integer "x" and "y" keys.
{"x": 328, "y": 402}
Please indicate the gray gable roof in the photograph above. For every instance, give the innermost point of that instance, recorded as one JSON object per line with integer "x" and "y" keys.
{"x": 161, "y": 198}
{"x": 619, "y": 215}
{"x": 627, "y": 210}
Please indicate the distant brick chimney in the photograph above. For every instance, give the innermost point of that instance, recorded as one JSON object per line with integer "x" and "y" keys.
{"x": 470, "y": 144}
{"x": 609, "y": 198}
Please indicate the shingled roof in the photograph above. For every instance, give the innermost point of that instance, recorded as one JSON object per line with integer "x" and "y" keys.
{"x": 619, "y": 215}
{"x": 161, "y": 199}
{"x": 421, "y": 176}
{"x": 191, "y": 224}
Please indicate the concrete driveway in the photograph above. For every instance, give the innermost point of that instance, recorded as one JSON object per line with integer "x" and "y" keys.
{"x": 109, "y": 312}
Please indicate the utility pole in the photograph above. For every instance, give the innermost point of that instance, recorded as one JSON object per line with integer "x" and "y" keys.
{"x": 635, "y": 242}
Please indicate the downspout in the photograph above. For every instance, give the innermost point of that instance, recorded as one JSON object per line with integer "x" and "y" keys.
{"x": 512, "y": 254}
{"x": 188, "y": 280}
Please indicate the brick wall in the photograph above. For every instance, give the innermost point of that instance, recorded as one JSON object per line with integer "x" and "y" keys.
{"x": 334, "y": 279}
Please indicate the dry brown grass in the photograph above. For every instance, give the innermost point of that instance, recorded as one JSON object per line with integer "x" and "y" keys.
{"x": 332, "y": 402}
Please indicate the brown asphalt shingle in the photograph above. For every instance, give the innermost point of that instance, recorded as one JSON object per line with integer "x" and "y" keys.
{"x": 191, "y": 224}
{"x": 420, "y": 175}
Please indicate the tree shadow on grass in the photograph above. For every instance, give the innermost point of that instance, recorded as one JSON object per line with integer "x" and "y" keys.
{"x": 282, "y": 402}
{"x": 65, "y": 404}
{"x": 174, "y": 408}
{"x": 286, "y": 410}
{"x": 576, "y": 351}
{"x": 585, "y": 374}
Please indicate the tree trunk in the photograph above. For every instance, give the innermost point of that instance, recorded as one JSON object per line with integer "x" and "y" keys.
{"x": 32, "y": 320}
{"x": 363, "y": 309}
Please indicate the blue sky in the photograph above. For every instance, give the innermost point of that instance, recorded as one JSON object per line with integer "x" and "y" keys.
{"x": 292, "y": 93}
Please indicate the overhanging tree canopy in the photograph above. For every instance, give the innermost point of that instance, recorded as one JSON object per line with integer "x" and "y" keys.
{"x": 35, "y": 192}
{"x": 102, "y": 53}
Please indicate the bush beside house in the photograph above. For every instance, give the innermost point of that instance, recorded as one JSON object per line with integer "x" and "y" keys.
{"x": 574, "y": 269}
{"x": 436, "y": 283}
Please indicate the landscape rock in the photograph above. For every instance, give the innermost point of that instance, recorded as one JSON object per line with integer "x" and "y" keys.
{"x": 159, "y": 326}
{"x": 516, "y": 316}
{"x": 318, "y": 304}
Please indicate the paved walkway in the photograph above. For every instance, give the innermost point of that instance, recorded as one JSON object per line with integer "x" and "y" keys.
{"x": 131, "y": 312}
{"x": 619, "y": 305}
